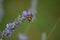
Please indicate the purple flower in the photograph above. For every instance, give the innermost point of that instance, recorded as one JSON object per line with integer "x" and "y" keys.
{"x": 29, "y": 12}
{"x": 8, "y": 31}
{"x": 22, "y": 37}
{"x": 25, "y": 13}
{"x": 9, "y": 25}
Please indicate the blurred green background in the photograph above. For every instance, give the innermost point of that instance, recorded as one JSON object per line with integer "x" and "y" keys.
{"x": 46, "y": 18}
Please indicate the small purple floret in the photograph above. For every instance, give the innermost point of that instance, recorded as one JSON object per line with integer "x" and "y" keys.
{"x": 9, "y": 25}
{"x": 25, "y": 13}
{"x": 22, "y": 37}
{"x": 8, "y": 31}
{"x": 29, "y": 12}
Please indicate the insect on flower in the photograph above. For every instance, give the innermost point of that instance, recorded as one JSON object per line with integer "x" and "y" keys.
{"x": 28, "y": 15}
